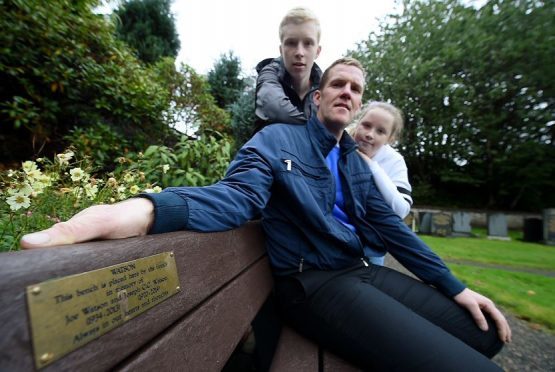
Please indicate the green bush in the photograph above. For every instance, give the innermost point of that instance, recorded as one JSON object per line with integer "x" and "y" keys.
{"x": 101, "y": 143}
{"x": 62, "y": 68}
{"x": 189, "y": 163}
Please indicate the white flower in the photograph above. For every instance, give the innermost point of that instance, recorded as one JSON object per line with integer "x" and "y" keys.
{"x": 45, "y": 179}
{"x": 165, "y": 168}
{"x": 29, "y": 166}
{"x": 157, "y": 189}
{"x": 77, "y": 174}
{"x": 128, "y": 178}
{"x": 34, "y": 174}
{"x": 22, "y": 188}
{"x": 112, "y": 182}
{"x": 18, "y": 201}
{"x": 38, "y": 187}
{"x": 134, "y": 189}
{"x": 65, "y": 157}
{"x": 91, "y": 190}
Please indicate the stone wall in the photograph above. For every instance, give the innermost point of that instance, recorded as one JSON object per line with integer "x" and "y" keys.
{"x": 515, "y": 220}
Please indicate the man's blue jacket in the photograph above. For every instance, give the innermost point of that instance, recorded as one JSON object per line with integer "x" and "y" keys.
{"x": 282, "y": 173}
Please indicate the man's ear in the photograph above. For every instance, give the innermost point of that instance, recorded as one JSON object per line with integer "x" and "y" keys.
{"x": 280, "y": 51}
{"x": 316, "y": 97}
{"x": 318, "y": 51}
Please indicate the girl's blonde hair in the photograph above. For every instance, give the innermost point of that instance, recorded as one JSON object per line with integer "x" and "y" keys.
{"x": 398, "y": 121}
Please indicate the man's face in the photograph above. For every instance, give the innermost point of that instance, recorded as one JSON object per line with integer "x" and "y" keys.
{"x": 340, "y": 99}
{"x": 299, "y": 48}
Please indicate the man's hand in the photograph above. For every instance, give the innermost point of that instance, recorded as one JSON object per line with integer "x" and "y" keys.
{"x": 132, "y": 217}
{"x": 477, "y": 305}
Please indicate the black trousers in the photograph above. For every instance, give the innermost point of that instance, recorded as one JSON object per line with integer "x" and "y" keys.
{"x": 380, "y": 319}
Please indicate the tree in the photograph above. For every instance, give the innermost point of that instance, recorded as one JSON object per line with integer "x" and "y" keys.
{"x": 191, "y": 105}
{"x": 148, "y": 26}
{"x": 242, "y": 114}
{"x": 62, "y": 68}
{"x": 226, "y": 84}
{"x": 478, "y": 93}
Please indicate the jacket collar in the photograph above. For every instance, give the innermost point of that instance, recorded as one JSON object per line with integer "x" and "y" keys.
{"x": 325, "y": 141}
{"x": 283, "y": 75}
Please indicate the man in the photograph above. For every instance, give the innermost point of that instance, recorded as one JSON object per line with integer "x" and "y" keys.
{"x": 321, "y": 214}
{"x": 285, "y": 85}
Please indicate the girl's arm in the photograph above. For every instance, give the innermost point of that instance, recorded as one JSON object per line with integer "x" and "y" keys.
{"x": 399, "y": 202}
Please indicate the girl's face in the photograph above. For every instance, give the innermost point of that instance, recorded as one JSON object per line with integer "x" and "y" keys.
{"x": 373, "y": 131}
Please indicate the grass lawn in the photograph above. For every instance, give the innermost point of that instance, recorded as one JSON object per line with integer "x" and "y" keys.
{"x": 529, "y": 296}
{"x": 509, "y": 253}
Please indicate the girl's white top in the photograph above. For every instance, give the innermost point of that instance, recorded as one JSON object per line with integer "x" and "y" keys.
{"x": 391, "y": 175}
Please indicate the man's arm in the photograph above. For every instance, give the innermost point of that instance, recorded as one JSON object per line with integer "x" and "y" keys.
{"x": 417, "y": 257}
{"x": 240, "y": 196}
{"x": 129, "y": 218}
{"x": 272, "y": 104}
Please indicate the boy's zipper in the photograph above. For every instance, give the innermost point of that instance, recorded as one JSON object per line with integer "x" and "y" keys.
{"x": 301, "y": 265}
{"x": 364, "y": 262}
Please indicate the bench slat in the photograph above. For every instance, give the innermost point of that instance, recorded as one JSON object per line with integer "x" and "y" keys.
{"x": 205, "y": 339}
{"x": 294, "y": 353}
{"x": 333, "y": 363}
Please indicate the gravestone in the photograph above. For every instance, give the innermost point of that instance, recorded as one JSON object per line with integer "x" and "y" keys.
{"x": 461, "y": 224}
{"x": 441, "y": 224}
{"x": 532, "y": 230}
{"x": 425, "y": 223}
{"x": 410, "y": 220}
{"x": 497, "y": 226}
{"x": 549, "y": 226}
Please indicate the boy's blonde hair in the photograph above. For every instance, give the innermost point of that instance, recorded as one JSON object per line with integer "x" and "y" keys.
{"x": 298, "y": 16}
{"x": 398, "y": 121}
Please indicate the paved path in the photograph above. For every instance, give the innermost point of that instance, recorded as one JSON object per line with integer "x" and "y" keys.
{"x": 532, "y": 349}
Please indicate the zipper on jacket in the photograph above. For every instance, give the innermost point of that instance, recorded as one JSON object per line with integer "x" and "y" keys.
{"x": 364, "y": 262}
{"x": 305, "y": 173}
{"x": 301, "y": 265}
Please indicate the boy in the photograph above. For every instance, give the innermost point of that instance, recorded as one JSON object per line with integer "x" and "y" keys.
{"x": 285, "y": 85}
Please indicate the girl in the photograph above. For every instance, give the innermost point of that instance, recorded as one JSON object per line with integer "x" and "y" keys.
{"x": 380, "y": 124}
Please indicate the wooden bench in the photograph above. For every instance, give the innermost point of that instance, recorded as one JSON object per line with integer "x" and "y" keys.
{"x": 224, "y": 278}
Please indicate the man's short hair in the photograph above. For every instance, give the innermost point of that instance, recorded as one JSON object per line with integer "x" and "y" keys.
{"x": 299, "y": 16}
{"x": 341, "y": 61}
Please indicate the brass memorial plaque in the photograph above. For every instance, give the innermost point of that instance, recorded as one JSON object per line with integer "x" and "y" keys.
{"x": 66, "y": 313}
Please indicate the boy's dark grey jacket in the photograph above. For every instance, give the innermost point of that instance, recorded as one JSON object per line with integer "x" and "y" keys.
{"x": 276, "y": 100}
{"x": 282, "y": 173}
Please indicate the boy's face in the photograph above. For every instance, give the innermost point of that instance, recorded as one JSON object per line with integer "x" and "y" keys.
{"x": 299, "y": 48}
{"x": 340, "y": 99}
